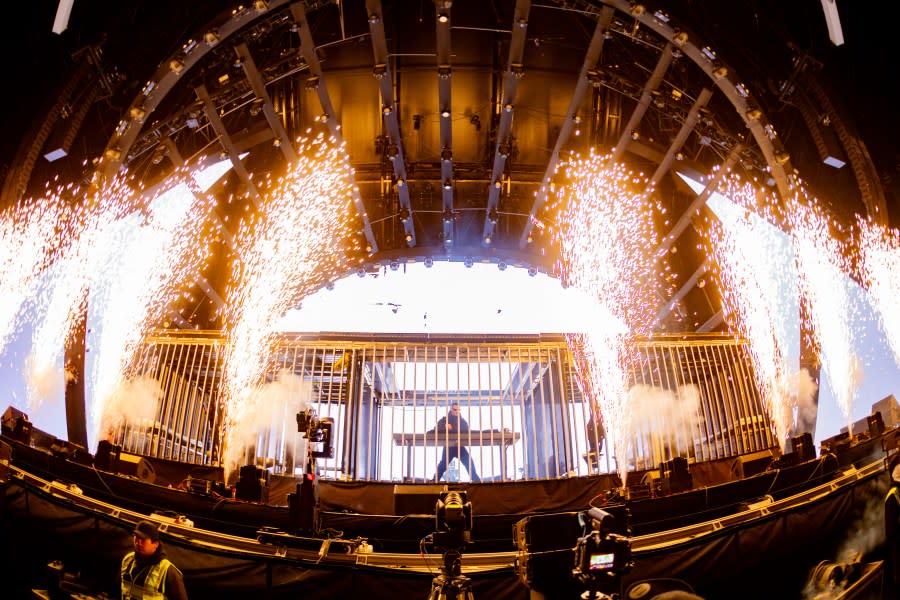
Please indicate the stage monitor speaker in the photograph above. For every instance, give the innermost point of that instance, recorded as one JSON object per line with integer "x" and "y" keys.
{"x": 145, "y": 471}
{"x": 417, "y": 499}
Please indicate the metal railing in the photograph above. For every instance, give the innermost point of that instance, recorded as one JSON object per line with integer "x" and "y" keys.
{"x": 527, "y": 416}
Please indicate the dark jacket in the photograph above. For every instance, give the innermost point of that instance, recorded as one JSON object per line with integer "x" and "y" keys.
{"x": 457, "y": 424}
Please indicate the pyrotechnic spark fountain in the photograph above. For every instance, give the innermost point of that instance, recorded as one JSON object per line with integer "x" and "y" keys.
{"x": 821, "y": 267}
{"x": 29, "y": 237}
{"x": 294, "y": 245}
{"x": 606, "y": 238}
{"x": 879, "y": 260}
{"x": 141, "y": 260}
{"x": 757, "y": 281}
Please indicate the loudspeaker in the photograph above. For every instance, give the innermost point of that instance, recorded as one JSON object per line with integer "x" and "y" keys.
{"x": 107, "y": 458}
{"x": 751, "y": 464}
{"x": 876, "y": 424}
{"x": 675, "y": 476}
{"x": 253, "y": 484}
{"x": 802, "y": 446}
{"x": 16, "y": 425}
{"x": 417, "y": 499}
{"x": 145, "y": 471}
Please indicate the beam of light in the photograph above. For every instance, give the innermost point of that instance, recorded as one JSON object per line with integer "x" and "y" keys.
{"x": 754, "y": 266}
{"x": 879, "y": 266}
{"x": 821, "y": 268}
{"x": 294, "y": 245}
{"x": 606, "y": 236}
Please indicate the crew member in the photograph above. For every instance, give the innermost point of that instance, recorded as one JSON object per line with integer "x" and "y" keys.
{"x": 146, "y": 573}
{"x": 892, "y": 529}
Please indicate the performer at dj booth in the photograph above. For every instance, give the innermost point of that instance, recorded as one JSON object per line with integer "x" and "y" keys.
{"x": 454, "y": 423}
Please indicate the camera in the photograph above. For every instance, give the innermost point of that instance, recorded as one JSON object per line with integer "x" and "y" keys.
{"x": 601, "y": 555}
{"x": 317, "y": 431}
{"x": 453, "y": 521}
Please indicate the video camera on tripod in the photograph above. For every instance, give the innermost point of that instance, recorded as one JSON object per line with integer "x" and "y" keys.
{"x": 601, "y": 556}
{"x": 453, "y": 532}
{"x": 317, "y": 431}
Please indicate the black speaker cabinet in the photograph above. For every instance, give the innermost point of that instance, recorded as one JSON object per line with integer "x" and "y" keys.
{"x": 802, "y": 446}
{"x": 253, "y": 484}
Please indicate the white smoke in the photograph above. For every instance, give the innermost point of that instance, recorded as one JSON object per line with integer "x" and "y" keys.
{"x": 275, "y": 408}
{"x": 666, "y": 419}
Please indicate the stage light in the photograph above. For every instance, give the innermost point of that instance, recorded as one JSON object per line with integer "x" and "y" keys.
{"x": 379, "y": 71}
{"x": 176, "y": 66}
{"x": 679, "y": 38}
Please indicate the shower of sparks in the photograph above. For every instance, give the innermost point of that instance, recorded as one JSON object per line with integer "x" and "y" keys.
{"x": 606, "y": 239}
{"x": 142, "y": 259}
{"x": 30, "y": 235}
{"x": 755, "y": 271}
{"x": 879, "y": 266}
{"x": 294, "y": 245}
{"x": 821, "y": 268}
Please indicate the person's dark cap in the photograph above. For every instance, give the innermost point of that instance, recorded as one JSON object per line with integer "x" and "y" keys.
{"x": 147, "y": 530}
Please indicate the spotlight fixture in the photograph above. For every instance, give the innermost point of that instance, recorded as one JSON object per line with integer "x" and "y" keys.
{"x": 637, "y": 9}
{"x": 113, "y": 153}
{"x": 447, "y": 215}
{"x": 448, "y": 184}
{"x": 443, "y": 18}
{"x": 517, "y": 69}
{"x": 754, "y": 114}
{"x": 374, "y": 19}
{"x": 501, "y": 265}
{"x": 487, "y": 240}
{"x": 504, "y": 150}
{"x": 532, "y": 271}
{"x": 400, "y": 182}
{"x": 404, "y": 214}
{"x": 386, "y": 110}
{"x": 260, "y": 5}
{"x": 493, "y": 216}
{"x": 498, "y": 184}
{"x": 444, "y": 71}
{"x": 679, "y": 38}
{"x": 379, "y": 70}
{"x": 508, "y": 107}
{"x": 429, "y": 262}
{"x": 468, "y": 262}
{"x": 522, "y": 22}
{"x": 361, "y": 272}
{"x": 137, "y": 113}
{"x": 176, "y": 66}
{"x": 720, "y": 71}
{"x": 409, "y": 237}
{"x": 782, "y": 158}
{"x": 211, "y": 38}
{"x": 393, "y": 151}
{"x": 446, "y": 155}
{"x": 445, "y": 113}
{"x": 394, "y": 265}
{"x": 312, "y": 83}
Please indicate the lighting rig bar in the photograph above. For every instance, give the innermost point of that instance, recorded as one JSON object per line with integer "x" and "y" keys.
{"x": 514, "y": 72}
{"x": 382, "y": 73}
{"x": 444, "y": 72}
{"x": 259, "y": 88}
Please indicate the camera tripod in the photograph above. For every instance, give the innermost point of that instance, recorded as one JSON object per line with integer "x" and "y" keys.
{"x": 451, "y": 584}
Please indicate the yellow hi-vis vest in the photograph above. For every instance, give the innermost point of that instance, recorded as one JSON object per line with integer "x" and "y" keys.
{"x": 154, "y": 584}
